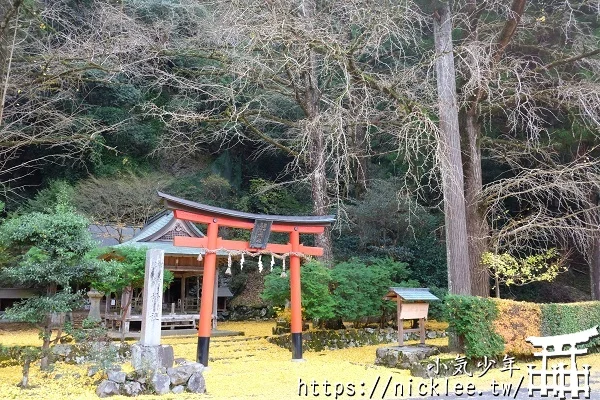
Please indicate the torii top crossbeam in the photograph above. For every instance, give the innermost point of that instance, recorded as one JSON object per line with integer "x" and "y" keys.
{"x": 183, "y": 205}
{"x": 261, "y": 225}
{"x": 205, "y": 214}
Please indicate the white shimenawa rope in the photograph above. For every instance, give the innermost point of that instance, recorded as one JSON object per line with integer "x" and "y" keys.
{"x": 258, "y": 254}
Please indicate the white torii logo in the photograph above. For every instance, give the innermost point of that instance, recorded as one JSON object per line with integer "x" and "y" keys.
{"x": 555, "y": 382}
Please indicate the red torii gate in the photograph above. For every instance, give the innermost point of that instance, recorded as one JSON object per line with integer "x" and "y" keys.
{"x": 261, "y": 226}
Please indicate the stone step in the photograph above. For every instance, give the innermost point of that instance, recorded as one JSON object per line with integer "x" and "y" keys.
{"x": 403, "y": 357}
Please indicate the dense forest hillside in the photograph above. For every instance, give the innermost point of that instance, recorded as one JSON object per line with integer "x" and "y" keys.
{"x": 317, "y": 107}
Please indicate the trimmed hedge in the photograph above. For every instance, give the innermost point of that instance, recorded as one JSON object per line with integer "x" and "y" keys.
{"x": 560, "y": 319}
{"x": 15, "y": 355}
{"x": 472, "y": 318}
{"x": 517, "y": 321}
{"x": 480, "y": 322}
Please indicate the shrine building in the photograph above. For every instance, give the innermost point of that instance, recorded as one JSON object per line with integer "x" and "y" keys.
{"x": 181, "y": 299}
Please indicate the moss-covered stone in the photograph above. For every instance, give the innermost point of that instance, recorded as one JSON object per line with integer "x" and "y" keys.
{"x": 403, "y": 357}
{"x": 341, "y": 339}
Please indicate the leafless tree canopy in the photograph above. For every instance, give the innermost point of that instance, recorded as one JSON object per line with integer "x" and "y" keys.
{"x": 349, "y": 70}
{"x": 330, "y": 84}
{"x": 545, "y": 70}
{"x": 52, "y": 50}
{"x": 129, "y": 200}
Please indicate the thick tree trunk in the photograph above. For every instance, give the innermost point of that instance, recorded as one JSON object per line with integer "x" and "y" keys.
{"x": 594, "y": 262}
{"x": 45, "y": 361}
{"x": 457, "y": 249}
{"x": 477, "y": 227}
{"x": 317, "y": 166}
{"x": 359, "y": 147}
{"x": 593, "y": 255}
{"x": 316, "y": 162}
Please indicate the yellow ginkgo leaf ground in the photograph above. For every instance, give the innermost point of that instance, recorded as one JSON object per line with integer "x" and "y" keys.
{"x": 249, "y": 367}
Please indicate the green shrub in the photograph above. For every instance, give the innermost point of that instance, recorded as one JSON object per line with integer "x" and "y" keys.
{"x": 472, "y": 318}
{"x": 560, "y": 319}
{"x": 238, "y": 283}
{"x": 361, "y": 284}
{"x": 317, "y": 301}
{"x": 15, "y": 355}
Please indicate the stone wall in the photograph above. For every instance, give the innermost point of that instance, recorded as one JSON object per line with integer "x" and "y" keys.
{"x": 341, "y": 339}
{"x": 245, "y": 313}
{"x": 186, "y": 376}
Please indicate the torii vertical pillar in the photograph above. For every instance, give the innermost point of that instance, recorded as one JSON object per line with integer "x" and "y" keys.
{"x": 208, "y": 287}
{"x": 295, "y": 296}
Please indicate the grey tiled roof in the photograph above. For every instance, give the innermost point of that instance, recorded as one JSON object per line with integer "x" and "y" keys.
{"x": 168, "y": 247}
{"x": 223, "y": 291}
{"x": 413, "y": 294}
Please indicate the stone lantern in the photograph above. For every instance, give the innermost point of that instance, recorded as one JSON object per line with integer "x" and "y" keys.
{"x": 95, "y": 297}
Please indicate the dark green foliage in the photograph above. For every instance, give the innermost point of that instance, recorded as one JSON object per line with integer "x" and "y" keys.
{"x": 471, "y": 318}
{"x": 229, "y": 166}
{"x": 406, "y": 234}
{"x": 205, "y": 187}
{"x": 47, "y": 249}
{"x": 113, "y": 95}
{"x": 124, "y": 266}
{"x": 437, "y": 309}
{"x": 360, "y": 286}
{"x": 277, "y": 288}
{"x": 266, "y": 197}
{"x": 47, "y": 198}
{"x": 427, "y": 259}
{"x": 380, "y": 200}
{"x": 15, "y": 355}
{"x": 238, "y": 282}
{"x": 216, "y": 189}
{"x": 137, "y": 138}
{"x": 36, "y": 309}
{"x": 317, "y": 300}
{"x": 561, "y": 319}
{"x": 350, "y": 290}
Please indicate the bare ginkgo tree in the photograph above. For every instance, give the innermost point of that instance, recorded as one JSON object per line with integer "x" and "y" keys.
{"x": 116, "y": 204}
{"x": 311, "y": 80}
{"x": 547, "y": 202}
{"x": 48, "y": 51}
{"x": 522, "y": 67}
{"x": 330, "y": 84}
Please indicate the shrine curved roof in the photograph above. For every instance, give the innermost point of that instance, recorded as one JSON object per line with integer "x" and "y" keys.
{"x": 176, "y": 203}
{"x": 151, "y": 236}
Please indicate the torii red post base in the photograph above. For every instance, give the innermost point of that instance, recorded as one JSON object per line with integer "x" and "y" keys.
{"x": 295, "y": 297}
{"x": 215, "y": 217}
{"x": 208, "y": 287}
